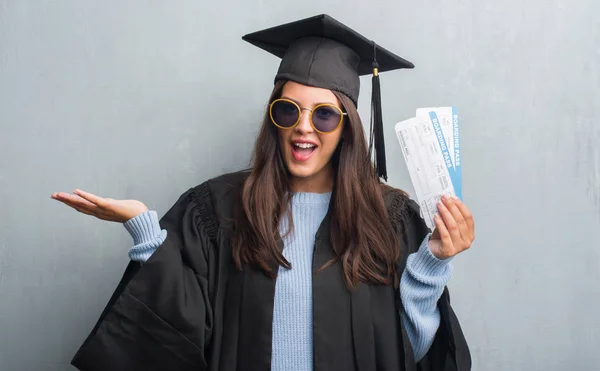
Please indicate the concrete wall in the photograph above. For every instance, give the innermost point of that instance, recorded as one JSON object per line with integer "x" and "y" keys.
{"x": 144, "y": 99}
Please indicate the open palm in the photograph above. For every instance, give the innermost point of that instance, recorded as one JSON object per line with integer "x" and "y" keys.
{"x": 102, "y": 208}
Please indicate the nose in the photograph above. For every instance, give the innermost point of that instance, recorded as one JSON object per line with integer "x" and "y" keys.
{"x": 304, "y": 126}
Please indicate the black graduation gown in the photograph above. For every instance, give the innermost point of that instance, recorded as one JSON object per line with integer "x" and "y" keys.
{"x": 188, "y": 308}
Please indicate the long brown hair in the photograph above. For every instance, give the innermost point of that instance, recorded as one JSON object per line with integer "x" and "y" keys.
{"x": 361, "y": 233}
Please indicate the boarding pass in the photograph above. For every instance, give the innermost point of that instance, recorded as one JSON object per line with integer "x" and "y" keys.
{"x": 430, "y": 144}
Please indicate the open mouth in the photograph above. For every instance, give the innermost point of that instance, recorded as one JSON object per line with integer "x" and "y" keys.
{"x": 302, "y": 151}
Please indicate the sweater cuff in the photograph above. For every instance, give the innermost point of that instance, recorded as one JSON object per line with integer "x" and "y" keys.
{"x": 424, "y": 264}
{"x": 144, "y": 227}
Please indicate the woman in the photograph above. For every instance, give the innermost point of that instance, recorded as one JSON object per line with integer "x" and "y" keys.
{"x": 304, "y": 262}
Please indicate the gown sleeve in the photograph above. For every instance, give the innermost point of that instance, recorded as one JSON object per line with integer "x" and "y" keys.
{"x": 449, "y": 351}
{"x": 160, "y": 316}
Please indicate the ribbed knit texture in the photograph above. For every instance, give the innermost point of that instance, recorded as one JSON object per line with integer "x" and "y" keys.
{"x": 292, "y": 312}
{"x": 147, "y": 235}
{"x": 421, "y": 285}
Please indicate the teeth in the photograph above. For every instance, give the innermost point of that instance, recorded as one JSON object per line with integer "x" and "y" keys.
{"x": 304, "y": 145}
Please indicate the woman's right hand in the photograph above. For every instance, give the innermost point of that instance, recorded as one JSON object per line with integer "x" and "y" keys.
{"x": 102, "y": 208}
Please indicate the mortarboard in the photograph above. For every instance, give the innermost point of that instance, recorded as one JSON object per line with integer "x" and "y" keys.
{"x": 322, "y": 52}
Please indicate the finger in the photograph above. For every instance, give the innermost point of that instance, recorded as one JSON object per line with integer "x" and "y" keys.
{"x": 450, "y": 204}
{"x": 435, "y": 235}
{"x": 468, "y": 216}
{"x": 444, "y": 234}
{"x": 93, "y": 211}
{"x": 83, "y": 211}
{"x": 449, "y": 222}
{"x": 79, "y": 208}
{"x": 59, "y": 195}
{"x": 82, "y": 205}
{"x": 74, "y": 199}
{"x": 99, "y": 201}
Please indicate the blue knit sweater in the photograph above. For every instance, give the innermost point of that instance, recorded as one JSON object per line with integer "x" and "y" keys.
{"x": 421, "y": 285}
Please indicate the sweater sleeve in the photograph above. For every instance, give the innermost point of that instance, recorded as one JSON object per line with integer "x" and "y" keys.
{"x": 147, "y": 235}
{"x": 421, "y": 286}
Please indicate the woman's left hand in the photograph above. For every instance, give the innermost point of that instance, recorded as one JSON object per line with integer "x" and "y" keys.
{"x": 455, "y": 228}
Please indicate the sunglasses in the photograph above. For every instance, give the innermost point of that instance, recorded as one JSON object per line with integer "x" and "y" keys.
{"x": 324, "y": 118}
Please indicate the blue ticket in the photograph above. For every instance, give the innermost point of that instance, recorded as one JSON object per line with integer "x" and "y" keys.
{"x": 457, "y": 158}
{"x": 446, "y": 123}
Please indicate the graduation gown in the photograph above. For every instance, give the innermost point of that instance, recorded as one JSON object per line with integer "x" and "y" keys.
{"x": 189, "y": 308}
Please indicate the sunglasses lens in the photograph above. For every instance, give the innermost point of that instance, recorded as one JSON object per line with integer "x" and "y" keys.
{"x": 285, "y": 114}
{"x": 326, "y": 118}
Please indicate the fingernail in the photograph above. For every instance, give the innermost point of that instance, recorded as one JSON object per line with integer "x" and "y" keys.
{"x": 444, "y": 198}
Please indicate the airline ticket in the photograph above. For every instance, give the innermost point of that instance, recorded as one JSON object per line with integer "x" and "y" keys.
{"x": 431, "y": 148}
{"x": 450, "y": 124}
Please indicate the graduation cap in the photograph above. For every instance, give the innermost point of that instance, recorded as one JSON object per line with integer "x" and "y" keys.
{"x": 322, "y": 52}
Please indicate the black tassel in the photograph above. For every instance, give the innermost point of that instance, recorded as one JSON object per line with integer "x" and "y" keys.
{"x": 377, "y": 137}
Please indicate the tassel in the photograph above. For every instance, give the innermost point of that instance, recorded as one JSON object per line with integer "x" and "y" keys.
{"x": 377, "y": 137}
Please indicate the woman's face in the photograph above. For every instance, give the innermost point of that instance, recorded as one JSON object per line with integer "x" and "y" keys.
{"x": 307, "y": 153}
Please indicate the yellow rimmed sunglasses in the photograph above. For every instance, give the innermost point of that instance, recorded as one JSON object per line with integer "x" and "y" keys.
{"x": 324, "y": 118}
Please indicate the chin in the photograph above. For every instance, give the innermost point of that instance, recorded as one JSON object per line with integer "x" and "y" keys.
{"x": 301, "y": 171}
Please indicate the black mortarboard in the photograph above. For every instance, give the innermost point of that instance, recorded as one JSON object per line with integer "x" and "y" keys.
{"x": 320, "y": 51}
